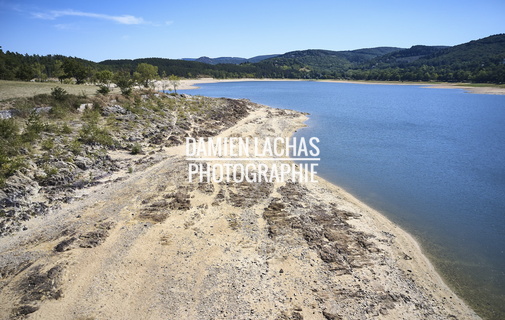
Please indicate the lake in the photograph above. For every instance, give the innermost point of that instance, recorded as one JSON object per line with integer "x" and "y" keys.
{"x": 431, "y": 160}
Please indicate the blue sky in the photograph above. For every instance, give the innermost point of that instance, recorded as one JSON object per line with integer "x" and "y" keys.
{"x": 109, "y": 29}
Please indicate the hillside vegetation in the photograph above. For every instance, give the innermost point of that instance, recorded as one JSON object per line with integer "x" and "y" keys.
{"x": 55, "y": 144}
{"x": 479, "y": 61}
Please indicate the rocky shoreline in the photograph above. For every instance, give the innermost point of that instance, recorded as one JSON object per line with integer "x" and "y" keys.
{"x": 52, "y": 177}
{"x": 147, "y": 243}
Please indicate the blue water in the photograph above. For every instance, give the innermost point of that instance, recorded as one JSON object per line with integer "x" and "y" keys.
{"x": 432, "y": 160}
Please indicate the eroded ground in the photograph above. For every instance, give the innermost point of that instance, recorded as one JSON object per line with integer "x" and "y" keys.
{"x": 155, "y": 246}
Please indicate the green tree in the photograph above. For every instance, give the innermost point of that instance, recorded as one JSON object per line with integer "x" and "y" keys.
{"x": 58, "y": 71}
{"x": 175, "y": 81}
{"x": 124, "y": 81}
{"x": 75, "y": 69}
{"x": 25, "y": 72}
{"x": 40, "y": 71}
{"x": 104, "y": 77}
{"x": 146, "y": 72}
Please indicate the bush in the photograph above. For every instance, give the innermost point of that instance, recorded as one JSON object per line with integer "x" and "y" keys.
{"x": 91, "y": 134}
{"x": 126, "y": 91}
{"x": 91, "y": 115}
{"x": 59, "y": 94}
{"x": 10, "y": 143}
{"x": 58, "y": 112}
{"x": 124, "y": 82}
{"x": 9, "y": 130}
{"x": 75, "y": 147}
{"x": 8, "y": 166}
{"x": 65, "y": 129}
{"x": 47, "y": 145}
{"x": 136, "y": 149}
{"x": 23, "y": 107}
{"x": 34, "y": 127}
{"x": 103, "y": 90}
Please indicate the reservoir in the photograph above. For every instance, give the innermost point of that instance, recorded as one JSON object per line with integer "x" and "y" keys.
{"x": 431, "y": 160}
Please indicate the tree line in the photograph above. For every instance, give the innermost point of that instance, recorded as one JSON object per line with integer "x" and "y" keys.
{"x": 476, "y": 61}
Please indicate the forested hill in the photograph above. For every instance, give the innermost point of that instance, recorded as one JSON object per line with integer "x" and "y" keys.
{"x": 319, "y": 63}
{"x": 231, "y": 60}
{"x": 406, "y": 56}
{"x": 481, "y": 60}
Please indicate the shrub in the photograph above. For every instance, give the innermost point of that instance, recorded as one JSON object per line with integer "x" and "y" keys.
{"x": 75, "y": 147}
{"x": 10, "y": 142}
{"x": 65, "y": 129}
{"x": 23, "y": 107}
{"x": 103, "y": 89}
{"x": 47, "y": 145}
{"x": 91, "y": 134}
{"x": 91, "y": 115}
{"x": 34, "y": 127}
{"x": 9, "y": 130}
{"x": 136, "y": 149}
{"x": 59, "y": 94}
{"x": 124, "y": 82}
{"x": 8, "y": 166}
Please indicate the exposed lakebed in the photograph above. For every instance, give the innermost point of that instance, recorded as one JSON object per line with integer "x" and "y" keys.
{"x": 432, "y": 160}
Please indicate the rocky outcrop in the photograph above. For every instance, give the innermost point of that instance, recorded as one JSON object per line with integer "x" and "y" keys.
{"x": 51, "y": 178}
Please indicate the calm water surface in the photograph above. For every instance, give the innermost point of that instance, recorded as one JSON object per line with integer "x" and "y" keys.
{"x": 432, "y": 160}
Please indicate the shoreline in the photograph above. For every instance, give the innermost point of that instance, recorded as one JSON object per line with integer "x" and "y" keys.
{"x": 172, "y": 249}
{"x": 193, "y": 84}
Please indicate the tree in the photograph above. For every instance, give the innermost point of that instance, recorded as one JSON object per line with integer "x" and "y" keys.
{"x": 146, "y": 72}
{"x": 75, "y": 69}
{"x": 40, "y": 71}
{"x": 25, "y": 72}
{"x": 124, "y": 81}
{"x": 175, "y": 81}
{"x": 104, "y": 77}
{"x": 58, "y": 71}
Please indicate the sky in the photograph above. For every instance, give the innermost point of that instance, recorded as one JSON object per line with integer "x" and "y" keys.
{"x": 110, "y": 29}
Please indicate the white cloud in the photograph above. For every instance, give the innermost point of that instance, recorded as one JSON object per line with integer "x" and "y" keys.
{"x": 124, "y": 19}
{"x": 62, "y": 26}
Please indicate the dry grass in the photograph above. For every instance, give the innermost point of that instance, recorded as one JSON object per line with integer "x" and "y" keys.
{"x": 20, "y": 89}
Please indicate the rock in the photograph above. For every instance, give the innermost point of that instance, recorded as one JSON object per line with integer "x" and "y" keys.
{"x": 39, "y": 110}
{"x": 115, "y": 109}
{"x": 63, "y": 177}
{"x": 331, "y": 316}
{"x": 85, "y": 106}
{"x": 83, "y": 163}
{"x": 25, "y": 310}
{"x": 65, "y": 245}
{"x": 19, "y": 184}
{"x": 134, "y": 138}
{"x": 3, "y": 197}
{"x": 6, "y": 114}
{"x": 93, "y": 238}
{"x": 181, "y": 202}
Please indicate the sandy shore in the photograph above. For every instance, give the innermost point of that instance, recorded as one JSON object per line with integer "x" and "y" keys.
{"x": 193, "y": 84}
{"x": 153, "y": 245}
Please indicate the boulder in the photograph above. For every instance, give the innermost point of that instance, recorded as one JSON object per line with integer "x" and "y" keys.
{"x": 115, "y": 109}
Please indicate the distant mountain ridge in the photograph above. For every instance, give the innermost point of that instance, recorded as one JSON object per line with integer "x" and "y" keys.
{"x": 409, "y": 55}
{"x": 359, "y": 55}
{"x": 230, "y": 60}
